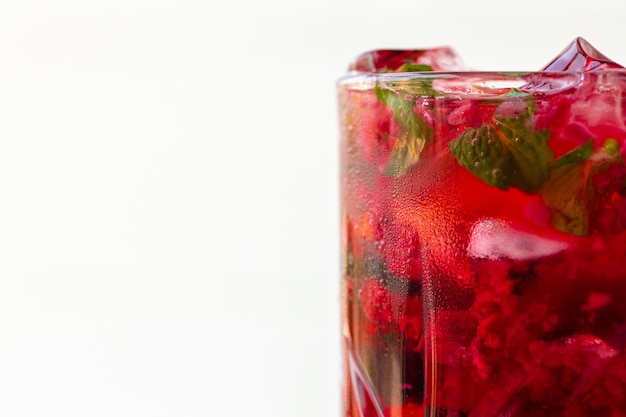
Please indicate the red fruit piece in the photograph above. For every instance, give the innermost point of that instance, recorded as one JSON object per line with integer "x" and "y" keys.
{"x": 389, "y": 60}
{"x": 553, "y": 113}
{"x": 377, "y": 133}
{"x": 465, "y": 114}
{"x": 453, "y": 332}
{"x": 401, "y": 249}
{"x": 611, "y": 219}
{"x": 376, "y": 303}
{"x": 581, "y": 56}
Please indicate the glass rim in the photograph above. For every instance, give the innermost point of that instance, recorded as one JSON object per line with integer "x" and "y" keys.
{"x": 479, "y": 84}
{"x": 396, "y": 75}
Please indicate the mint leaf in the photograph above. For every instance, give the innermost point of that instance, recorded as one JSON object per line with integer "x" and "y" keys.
{"x": 483, "y": 154}
{"x": 410, "y": 67}
{"x": 570, "y": 192}
{"x": 406, "y": 152}
{"x": 579, "y": 154}
{"x": 515, "y": 93}
{"x": 506, "y": 152}
{"x": 413, "y": 132}
{"x": 416, "y": 86}
{"x": 529, "y": 150}
{"x": 403, "y": 112}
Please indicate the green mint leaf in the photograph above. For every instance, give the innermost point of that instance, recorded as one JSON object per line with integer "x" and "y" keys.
{"x": 515, "y": 93}
{"x": 579, "y": 154}
{"x": 611, "y": 148}
{"x": 410, "y": 67}
{"x": 417, "y": 85}
{"x": 570, "y": 192}
{"x": 506, "y": 152}
{"x": 413, "y": 132}
{"x": 406, "y": 152}
{"x": 529, "y": 150}
{"x": 483, "y": 154}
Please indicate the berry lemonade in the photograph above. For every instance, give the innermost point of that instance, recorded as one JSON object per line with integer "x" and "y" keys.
{"x": 484, "y": 237}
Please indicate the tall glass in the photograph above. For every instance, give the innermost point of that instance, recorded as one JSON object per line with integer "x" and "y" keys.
{"x": 484, "y": 243}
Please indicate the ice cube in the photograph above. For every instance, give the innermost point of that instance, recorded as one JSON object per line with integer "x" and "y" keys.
{"x": 496, "y": 239}
{"x": 392, "y": 60}
{"x": 588, "y": 356}
{"x": 580, "y": 55}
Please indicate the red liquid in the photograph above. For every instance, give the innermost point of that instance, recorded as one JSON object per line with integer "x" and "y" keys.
{"x": 465, "y": 299}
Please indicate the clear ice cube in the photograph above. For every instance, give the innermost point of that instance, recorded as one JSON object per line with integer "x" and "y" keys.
{"x": 392, "y": 60}
{"x": 496, "y": 239}
{"x": 580, "y": 55}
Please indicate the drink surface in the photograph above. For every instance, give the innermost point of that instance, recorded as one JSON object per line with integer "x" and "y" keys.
{"x": 484, "y": 239}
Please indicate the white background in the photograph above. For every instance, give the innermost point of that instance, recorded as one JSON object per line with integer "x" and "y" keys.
{"x": 168, "y": 191}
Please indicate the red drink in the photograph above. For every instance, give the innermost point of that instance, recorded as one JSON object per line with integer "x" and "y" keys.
{"x": 484, "y": 238}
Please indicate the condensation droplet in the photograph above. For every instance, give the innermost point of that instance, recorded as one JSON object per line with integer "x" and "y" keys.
{"x": 517, "y": 140}
{"x": 477, "y": 164}
{"x": 474, "y": 142}
{"x": 497, "y": 172}
{"x": 482, "y": 154}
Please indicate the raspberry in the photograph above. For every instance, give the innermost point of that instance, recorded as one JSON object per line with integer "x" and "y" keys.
{"x": 377, "y": 133}
{"x": 401, "y": 250}
{"x": 375, "y": 300}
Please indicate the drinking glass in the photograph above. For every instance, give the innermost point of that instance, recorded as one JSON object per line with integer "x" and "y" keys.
{"x": 484, "y": 243}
